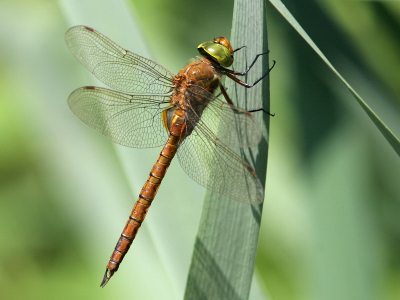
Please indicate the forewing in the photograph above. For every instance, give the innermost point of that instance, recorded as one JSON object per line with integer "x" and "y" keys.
{"x": 234, "y": 126}
{"x": 214, "y": 165}
{"x": 116, "y": 67}
{"x": 129, "y": 120}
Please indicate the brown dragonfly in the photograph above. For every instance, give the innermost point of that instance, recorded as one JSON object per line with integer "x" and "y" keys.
{"x": 151, "y": 107}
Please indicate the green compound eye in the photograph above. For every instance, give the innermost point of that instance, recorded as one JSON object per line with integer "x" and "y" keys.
{"x": 217, "y": 52}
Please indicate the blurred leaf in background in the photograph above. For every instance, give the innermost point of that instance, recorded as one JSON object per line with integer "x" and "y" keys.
{"x": 330, "y": 228}
{"x": 331, "y": 193}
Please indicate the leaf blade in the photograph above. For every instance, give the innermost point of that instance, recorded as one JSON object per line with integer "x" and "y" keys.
{"x": 386, "y": 132}
{"x": 226, "y": 244}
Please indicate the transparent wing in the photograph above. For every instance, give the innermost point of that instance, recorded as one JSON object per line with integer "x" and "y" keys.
{"x": 214, "y": 165}
{"x": 234, "y": 126}
{"x": 129, "y": 120}
{"x": 116, "y": 67}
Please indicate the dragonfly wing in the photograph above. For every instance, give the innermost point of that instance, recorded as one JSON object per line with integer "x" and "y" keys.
{"x": 234, "y": 126}
{"x": 129, "y": 120}
{"x": 116, "y": 67}
{"x": 214, "y": 165}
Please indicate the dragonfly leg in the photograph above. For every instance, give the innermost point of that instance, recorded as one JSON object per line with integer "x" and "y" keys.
{"x": 251, "y": 65}
{"x": 223, "y": 92}
{"x": 259, "y": 109}
{"x": 242, "y": 83}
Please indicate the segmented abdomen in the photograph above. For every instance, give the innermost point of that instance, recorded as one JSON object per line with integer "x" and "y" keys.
{"x": 146, "y": 195}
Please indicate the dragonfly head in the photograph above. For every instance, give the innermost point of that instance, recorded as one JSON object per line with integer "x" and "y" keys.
{"x": 220, "y": 51}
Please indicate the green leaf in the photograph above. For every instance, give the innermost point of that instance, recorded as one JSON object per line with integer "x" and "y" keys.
{"x": 226, "y": 244}
{"x": 387, "y": 133}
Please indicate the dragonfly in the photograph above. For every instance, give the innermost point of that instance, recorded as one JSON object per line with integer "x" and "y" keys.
{"x": 149, "y": 106}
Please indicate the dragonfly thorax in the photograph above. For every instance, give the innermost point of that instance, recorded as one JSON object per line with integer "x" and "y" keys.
{"x": 194, "y": 85}
{"x": 199, "y": 72}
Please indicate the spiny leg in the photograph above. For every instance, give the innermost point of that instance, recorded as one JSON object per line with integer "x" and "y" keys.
{"x": 248, "y": 69}
{"x": 247, "y": 85}
{"x": 261, "y": 109}
{"x": 226, "y": 96}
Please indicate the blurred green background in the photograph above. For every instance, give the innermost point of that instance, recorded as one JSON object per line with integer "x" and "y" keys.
{"x": 331, "y": 222}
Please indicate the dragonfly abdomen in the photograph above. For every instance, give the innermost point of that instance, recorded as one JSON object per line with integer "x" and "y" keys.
{"x": 146, "y": 195}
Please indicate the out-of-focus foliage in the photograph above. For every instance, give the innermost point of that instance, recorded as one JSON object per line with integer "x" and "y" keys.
{"x": 330, "y": 228}
{"x": 330, "y": 220}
